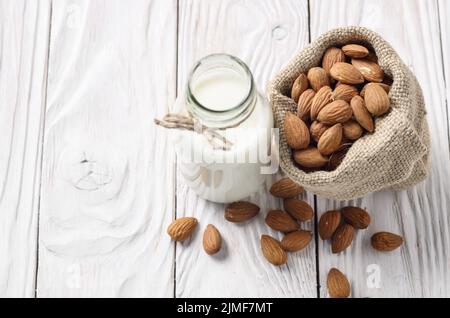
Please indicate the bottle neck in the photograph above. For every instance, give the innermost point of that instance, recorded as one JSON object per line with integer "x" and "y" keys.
{"x": 221, "y": 92}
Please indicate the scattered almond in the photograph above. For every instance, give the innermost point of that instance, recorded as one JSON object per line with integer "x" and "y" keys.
{"x": 355, "y": 50}
{"x": 241, "y": 211}
{"x": 362, "y": 115}
{"x": 330, "y": 140}
{"x": 300, "y": 85}
{"x": 296, "y": 241}
{"x": 352, "y": 130}
{"x": 322, "y": 98}
{"x": 286, "y": 188}
{"x": 346, "y": 73}
{"x": 337, "y": 284}
{"x": 310, "y": 158}
{"x": 182, "y": 228}
{"x": 328, "y": 223}
{"x": 342, "y": 238}
{"x": 386, "y": 242}
{"x": 212, "y": 241}
{"x": 356, "y": 217}
{"x": 331, "y": 56}
{"x": 281, "y": 221}
{"x": 304, "y": 104}
{"x": 338, "y": 111}
{"x": 272, "y": 250}
{"x": 318, "y": 78}
{"x": 376, "y": 100}
{"x": 371, "y": 71}
{"x": 296, "y": 132}
{"x": 299, "y": 209}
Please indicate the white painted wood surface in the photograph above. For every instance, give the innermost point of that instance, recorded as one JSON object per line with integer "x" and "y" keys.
{"x": 24, "y": 29}
{"x": 421, "y": 267}
{"x": 444, "y": 13}
{"x": 109, "y": 187}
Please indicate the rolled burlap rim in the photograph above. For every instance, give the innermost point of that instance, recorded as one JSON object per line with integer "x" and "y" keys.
{"x": 396, "y": 156}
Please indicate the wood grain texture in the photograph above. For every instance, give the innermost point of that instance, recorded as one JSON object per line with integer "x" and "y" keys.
{"x": 107, "y": 188}
{"x": 421, "y": 214}
{"x": 444, "y": 12}
{"x": 265, "y": 34}
{"x": 24, "y": 29}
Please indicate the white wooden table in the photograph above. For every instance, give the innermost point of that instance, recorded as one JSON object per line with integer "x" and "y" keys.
{"x": 87, "y": 182}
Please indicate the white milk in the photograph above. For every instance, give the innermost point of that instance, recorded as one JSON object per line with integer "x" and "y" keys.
{"x": 220, "y": 89}
{"x": 226, "y": 175}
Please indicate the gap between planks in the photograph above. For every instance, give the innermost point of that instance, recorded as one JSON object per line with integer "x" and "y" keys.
{"x": 41, "y": 146}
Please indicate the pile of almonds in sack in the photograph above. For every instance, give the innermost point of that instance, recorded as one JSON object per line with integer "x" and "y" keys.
{"x": 337, "y": 104}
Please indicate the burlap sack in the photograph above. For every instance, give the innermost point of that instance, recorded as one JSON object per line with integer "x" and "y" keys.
{"x": 395, "y": 156}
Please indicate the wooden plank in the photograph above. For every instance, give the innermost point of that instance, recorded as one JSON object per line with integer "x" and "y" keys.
{"x": 420, "y": 268}
{"x": 265, "y": 34}
{"x": 444, "y": 11}
{"x": 24, "y": 30}
{"x": 107, "y": 188}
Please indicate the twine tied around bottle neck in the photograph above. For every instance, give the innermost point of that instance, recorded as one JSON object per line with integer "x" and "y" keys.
{"x": 179, "y": 121}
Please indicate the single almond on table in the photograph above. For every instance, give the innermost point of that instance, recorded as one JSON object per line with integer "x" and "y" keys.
{"x": 182, "y": 228}
{"x": 310, "y": 158}
{"x": 345, "y": 92}
{"x": 376, "y": 100}
{"x": 342, "y": 238}
{"x": 337, "y": 284}
{"x": 330, "y": 140}
{"x": 371, "y": 71}
{"x": 346, "y": 73}
{"x": 338, "y": 156}
{"x": 362, "y": 115}
{"x": 386, "y": 88}
{"x": 241, "y": 211}
{"x": 356, "y": 217}
{"x": 286, "y": 188}
{"x": 328, "y": 223}
{"x": 355, "y": 50}
{"x": 300, "y": 85}
{"x": 317, "y": 129}
{"x": 296, "y": 132}
{"x": 386, "y": 242}
{"x": 296, "y": 241}
{"x": 272, "y": 250}
{"x": 331, "y": 56}
{"x": 281, "y": 221}
{"x": 352, "y": 130}
{"x": 298, "y": 209}
{"x": 322, "y": 98}
{"x": 304, "y": 104}
{"x": 338, "y": 111}
{"x": 212, "y": 241}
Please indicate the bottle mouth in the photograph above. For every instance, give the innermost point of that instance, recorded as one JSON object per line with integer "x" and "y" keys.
{"x": 223, "y": 116}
